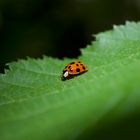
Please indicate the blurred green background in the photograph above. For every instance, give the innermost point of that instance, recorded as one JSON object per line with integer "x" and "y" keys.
{"x": 57, "y": 28}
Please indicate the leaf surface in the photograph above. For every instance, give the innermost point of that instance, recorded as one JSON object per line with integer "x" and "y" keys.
{"x": 36, "y": 104}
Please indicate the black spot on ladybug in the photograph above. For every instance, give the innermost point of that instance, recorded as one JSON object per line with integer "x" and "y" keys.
{"x": 69, "y": 67}
{"x": 84, "y": 67}
{"x": 77, "y": 64}
{"x": 78, "y": 70}
{"x": 81, "y": 64}
{"x": 72, "y": 63}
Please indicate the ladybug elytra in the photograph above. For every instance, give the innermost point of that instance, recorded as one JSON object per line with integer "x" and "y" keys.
{"x": 73, "y": 69}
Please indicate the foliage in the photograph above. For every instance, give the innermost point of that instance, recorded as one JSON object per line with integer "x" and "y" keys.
{"x": 102, "y": 103}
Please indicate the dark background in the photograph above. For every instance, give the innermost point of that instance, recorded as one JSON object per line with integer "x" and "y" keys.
{"x": 57, "y": 28}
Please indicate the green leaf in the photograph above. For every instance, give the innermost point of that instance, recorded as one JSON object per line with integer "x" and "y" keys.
{"x": 103, "y": 103}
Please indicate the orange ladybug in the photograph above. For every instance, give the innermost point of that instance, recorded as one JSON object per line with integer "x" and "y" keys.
{"x": 73, "y": 69}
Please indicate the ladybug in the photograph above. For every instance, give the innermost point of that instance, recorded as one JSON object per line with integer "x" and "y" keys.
{"x": 73, "y": 69}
